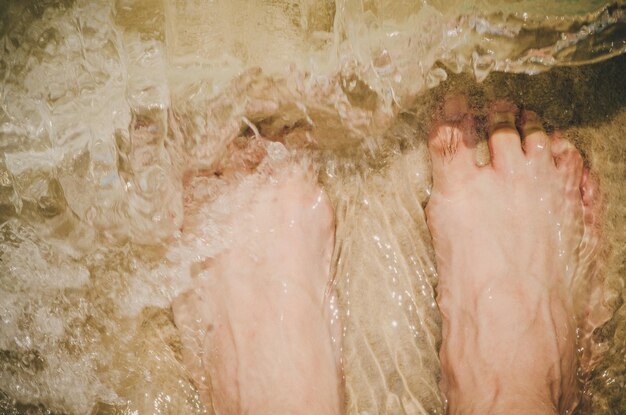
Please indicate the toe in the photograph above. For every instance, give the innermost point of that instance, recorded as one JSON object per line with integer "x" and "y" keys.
{"x": 452, "y": 144}
{"x": 504, "y": 139}
{"x": 588, "y": 188}
{"x": 568, "y": 160}
{"x": 536, "y": 141}
{"x": 590, "y": 194}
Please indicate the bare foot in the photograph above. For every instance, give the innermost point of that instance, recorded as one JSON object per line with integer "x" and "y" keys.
{"x": 508, "y": 238}
{"x": 256, "y": 333}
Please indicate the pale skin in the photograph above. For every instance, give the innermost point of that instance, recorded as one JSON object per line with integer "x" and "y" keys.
{"x": 507, "y": 237}
{"x": 257, "y": 336}
{"x": 257, "y": 333}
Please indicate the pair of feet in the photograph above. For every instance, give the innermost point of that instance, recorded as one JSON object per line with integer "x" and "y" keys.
{"x": 258, "y": 334}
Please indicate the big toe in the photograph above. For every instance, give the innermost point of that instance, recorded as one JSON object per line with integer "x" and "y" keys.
{"x": 452, "y": 144}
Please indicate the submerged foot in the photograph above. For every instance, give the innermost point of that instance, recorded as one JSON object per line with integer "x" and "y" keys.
{"x": 255, "y": 329}
{"x": 510, "y": 239}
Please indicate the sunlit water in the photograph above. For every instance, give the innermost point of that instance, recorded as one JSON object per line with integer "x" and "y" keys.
{"x": 107, "y": 109}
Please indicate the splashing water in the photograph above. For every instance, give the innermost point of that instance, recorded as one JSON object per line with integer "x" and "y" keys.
{"x": 110, "y": 111}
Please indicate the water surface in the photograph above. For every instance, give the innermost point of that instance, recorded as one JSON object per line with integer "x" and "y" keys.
{"x": 107, "y": 108}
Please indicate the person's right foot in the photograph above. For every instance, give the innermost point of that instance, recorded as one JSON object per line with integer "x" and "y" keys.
{"x": 256, "y": 330}
{"x": 507, "y": 238}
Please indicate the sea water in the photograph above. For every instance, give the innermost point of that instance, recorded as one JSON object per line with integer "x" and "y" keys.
{"x": 109, "y": 109}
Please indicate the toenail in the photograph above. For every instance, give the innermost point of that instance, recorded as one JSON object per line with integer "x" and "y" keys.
{"x": 500, "y": 121}
{"x": 531, "y": 124}
{"x": 454, "y": 108}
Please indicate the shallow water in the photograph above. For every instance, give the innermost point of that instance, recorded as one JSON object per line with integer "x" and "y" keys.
{"x": 108, "y": 109}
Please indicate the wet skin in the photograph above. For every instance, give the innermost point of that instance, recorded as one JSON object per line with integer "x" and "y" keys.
{"x": 256, "y": 333}
{"x": 510, "y": 239}
{"x": 507, "y": 238}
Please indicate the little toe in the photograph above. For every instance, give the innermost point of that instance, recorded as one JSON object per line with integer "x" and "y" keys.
{"x": 568, "y": 160}
{"x": 591, "y": 198}
{"x": 504, "y": 139}
{"x": 536, "y": 141}
{"x": 452, "y": 143}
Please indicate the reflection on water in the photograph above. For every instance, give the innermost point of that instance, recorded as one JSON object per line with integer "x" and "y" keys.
{"x": 105, "y": 110}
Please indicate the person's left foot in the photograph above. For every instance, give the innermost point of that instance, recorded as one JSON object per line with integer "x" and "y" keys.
{"x": 257, "y": 334}
{"x": 507, "y": 239}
